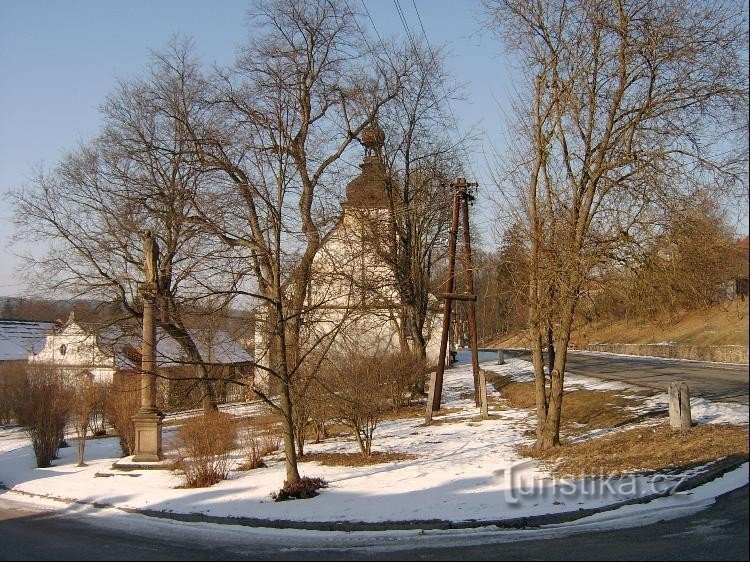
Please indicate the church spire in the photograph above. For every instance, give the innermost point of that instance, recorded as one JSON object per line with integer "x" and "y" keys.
{"x": 369, "y": 190}
{"x": 373, "y": 139}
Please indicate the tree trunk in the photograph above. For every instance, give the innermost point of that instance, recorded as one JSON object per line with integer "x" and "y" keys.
{"x": 360, "y": 441}
{"x": 290, "y": 449}
{"x": 81, "y": 447}
{"x": 550, "y": 349}
{"x": 548, "y": 431}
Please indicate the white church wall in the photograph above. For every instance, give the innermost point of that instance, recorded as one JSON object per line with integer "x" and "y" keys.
{"x": 75, "y": 351}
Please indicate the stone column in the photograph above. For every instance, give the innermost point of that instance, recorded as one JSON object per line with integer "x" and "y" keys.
{"x": 148, "y": 420}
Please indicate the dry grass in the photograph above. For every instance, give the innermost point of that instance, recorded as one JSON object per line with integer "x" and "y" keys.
{"x": 583, "y": 410}
{"x": 644, "y": 449}
{"x": 263, "y": 421}
{"x": 406, "y": 412}
{"x": 355, "y": 459}
{"x": 723, "y": 324}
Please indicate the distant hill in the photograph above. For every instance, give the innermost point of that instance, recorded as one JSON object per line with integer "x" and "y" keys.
{"x": 723, "y": 324}
{"x": 99, "y": 312}
{"x": 48, "y": 310}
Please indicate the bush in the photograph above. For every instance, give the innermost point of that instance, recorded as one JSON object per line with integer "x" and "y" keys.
{"x": 362, "y": 387}
{"x": 122, "y": 401}
{"x": 84, "y": 394}
{"x": 98, "y": 417}
{"x": 310, "y": 405}
{"x": 402, "y": 374}
{"x": 254, "y": 447}
{"x": 302, "y": 489}
{"x": 204, "y": 444}
{"x": 12, "y": 376}
{"x": 43, "y": 407}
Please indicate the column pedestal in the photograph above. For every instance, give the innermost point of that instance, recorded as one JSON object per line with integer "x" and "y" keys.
{"x": 148, "y": 436}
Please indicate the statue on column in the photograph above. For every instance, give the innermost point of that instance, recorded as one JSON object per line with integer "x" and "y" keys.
{"x": 150, "y": 258}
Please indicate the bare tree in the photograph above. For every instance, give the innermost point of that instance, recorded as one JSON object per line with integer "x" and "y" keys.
{"x": 84, "y": 402}
{"x": 92, "y": 208}
{"x": 502, "y": 286}
{"x": 624, "y": 109}
{"x": 686, "y": 266}
{"x": 421, "y": 159}
{"x": 272, "y": 139}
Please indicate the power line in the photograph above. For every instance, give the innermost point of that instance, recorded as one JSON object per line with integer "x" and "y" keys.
{"x": 412, "y": 41}
{"x": 445, "y": 93}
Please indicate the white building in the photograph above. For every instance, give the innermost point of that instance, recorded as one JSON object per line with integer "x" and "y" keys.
{"x": 354, "y": 291}
{"x": 78, "y": 352}
{"x": 102, "y": 355}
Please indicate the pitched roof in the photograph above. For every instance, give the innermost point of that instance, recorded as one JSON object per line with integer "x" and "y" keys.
{"x": 20, "y": 337}
{"x": 216, "y": 348}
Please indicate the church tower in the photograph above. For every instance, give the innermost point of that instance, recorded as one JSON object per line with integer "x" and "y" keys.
{"x": 353, "y": 282}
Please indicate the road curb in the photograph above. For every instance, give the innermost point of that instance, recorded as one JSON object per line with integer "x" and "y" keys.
{"x": 706, "y": 474}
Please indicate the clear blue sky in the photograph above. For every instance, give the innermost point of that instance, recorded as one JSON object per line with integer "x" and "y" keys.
{"x": 58, "y": 61}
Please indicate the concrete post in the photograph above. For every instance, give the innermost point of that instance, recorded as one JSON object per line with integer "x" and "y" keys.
{"x": 679, "y": 406}
{"x": 500, "y": 357}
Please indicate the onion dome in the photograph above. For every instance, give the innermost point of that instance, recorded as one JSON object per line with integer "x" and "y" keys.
{"x": 368, "y": 189}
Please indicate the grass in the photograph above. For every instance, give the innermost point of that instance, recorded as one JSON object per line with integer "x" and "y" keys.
{"x": 406, "y": 412}
{"x": 644, "y": 449}
{"x": 583, "y": 410}
{"x": 722, "y": 324}
{"x": 263, "y": 421}
{"x": 355, "y": 459}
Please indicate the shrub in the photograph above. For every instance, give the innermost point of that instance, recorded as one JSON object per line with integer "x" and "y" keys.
{"x": 403, "y": 373}
{"x": 12, "y": 376}
{"x": 205, "y": 443}
{"x": 302, "y": 489}
{"x": 98, "y": 416}
{"x": 254, "y": 447}
{"x": 84, "y": 396}
{"x": 120, "y": 405}
{"x": 362, "y": 387}
{"x": 311, "y": 407}
{"x": 43, "y": 407}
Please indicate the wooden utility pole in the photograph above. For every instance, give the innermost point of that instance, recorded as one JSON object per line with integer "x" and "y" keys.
{"x": 480, "y": 388}
{"x": 461, "y": 198}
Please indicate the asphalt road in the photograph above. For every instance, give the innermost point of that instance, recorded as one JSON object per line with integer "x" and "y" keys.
{"x": 714, "y": 381}
{"x": 719, "y": 532}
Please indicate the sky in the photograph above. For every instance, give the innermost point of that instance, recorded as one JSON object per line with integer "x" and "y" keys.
{"x": 59, "y": 60}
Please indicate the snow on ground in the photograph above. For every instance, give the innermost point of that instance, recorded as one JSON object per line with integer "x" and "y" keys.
{"x": 465, "y": 469}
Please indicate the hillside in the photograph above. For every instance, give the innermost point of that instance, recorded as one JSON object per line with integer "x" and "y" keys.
{"x": 725, "y": 324}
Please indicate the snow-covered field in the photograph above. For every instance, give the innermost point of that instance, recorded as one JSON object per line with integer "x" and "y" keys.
{"x": 464, "y": 469}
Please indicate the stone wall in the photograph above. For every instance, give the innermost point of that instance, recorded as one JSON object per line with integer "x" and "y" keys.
{"x": 717, "y": 353}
